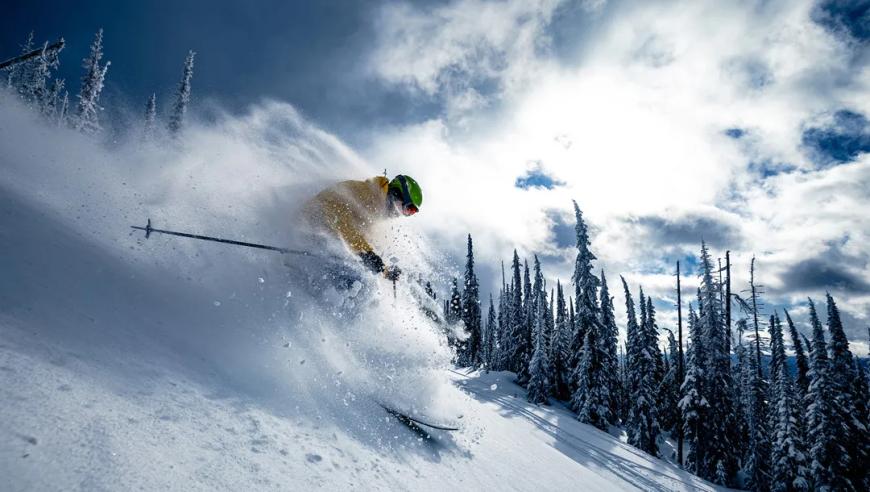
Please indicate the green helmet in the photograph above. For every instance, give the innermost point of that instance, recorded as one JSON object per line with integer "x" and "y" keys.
{"x": 407, "y": 189}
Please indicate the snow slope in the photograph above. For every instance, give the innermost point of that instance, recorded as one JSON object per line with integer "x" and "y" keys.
{"x": 165, "y": 364}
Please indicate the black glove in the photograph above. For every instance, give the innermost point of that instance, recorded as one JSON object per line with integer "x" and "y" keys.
{"x": 372, "y": 261}
{"x": 392, "y": 273}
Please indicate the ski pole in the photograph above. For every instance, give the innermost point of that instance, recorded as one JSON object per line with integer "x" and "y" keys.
{"x": 148, "y": 230}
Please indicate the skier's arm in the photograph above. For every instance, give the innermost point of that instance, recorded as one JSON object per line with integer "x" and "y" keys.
{"x": 349, "y": 232}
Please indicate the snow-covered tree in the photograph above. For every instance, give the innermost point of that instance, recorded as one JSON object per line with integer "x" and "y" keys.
{"x": 694, "y": 406}
{"x": 559, "y": 347}
{"x": 151, "y": 126}
{"x": 520, "y": 332}
{"x": 30, "y": 79}
{"x": 642, "y": 425}
{"x": 651, "y": 332}
{"x": 490, "y": 338}
{"x": 802, "y": 381}
{"x": 54, "y": 101}
{"x": 18, "y": 73}
{"x": 742, "y": 377}
{"x": 550, "y": 327}
{"x": 591, "y": 399}
{"x": 182, "y": 96}
{"x": 470, "y": 356}
{"x": 34, "y": 86}
{"x": 529, "y": 311}
{"x": 608, "y": 342}
{"x": 757, "y": 465}
{"x": 454, "y": 303}
{"x": 853, "y": 423}
{"x": 718, "y": 373}
{"x": 87, "y": 117}
{"x": 504, "y": 347}
{"x": 669, "y": 389}
{"x": 585, "y": 290}
{"x": 788, "y": 454}
{"x": 453, "y": 311}
{"x": 539, "y": 367}
{"x": 537, "y": 317}
{"x": 861, "y": 397}
{"x": 632, "y": 351}
{"x": 829, "y": 460}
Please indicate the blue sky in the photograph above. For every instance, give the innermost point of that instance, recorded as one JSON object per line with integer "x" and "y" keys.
{"x": 311, "y": 54}
{"x": 740, "y": 123}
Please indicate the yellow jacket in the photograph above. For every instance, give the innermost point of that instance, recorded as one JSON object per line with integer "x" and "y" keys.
{"x": 349, "y": 209}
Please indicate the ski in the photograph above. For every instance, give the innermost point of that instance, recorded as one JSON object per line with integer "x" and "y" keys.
{"x": 414, "y": 422}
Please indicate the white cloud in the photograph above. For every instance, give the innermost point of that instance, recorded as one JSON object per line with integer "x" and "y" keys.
{"x": 454, "y": 50}
{"x": 645, "y": 111}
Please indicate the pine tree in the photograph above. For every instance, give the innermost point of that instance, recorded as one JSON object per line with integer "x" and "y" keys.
{"x": 536, "y": 317}
{"x": 471, "y": 312}
{"x": 861, "y": 397}
{"x": 642, "y": 426}
{"x": 550, "y": 325}
{"x": 504, "y": 348}
{"x": 829, "y": 459}
{"x": 585, "y": 293}
{"x": 453, "y": 312}
{"x": 801, "y": 380}
{"x": 87, "y": 119}
{"x": 591, "y": 398}
{"x": 622, "y": 394}
{"x": 853, "y": 426}
{"x": 608, "y": 342}
{"x": 559, "y": 349}
{"x": 529, "y": 316}
{"x": 718, "y": 372}
{"x": 632, "y": 356}
{"x": 544, "y": 323}
{"x": 669, "y": 392}
{"x": 454, "y": 304}
{"x": 48, "y": 96}
{"x": 490, "y": 339}
{"x": 788, "y": 459}
{"x": 182, "y": 96}
{"x": 520, "y": 334}
{"x": 757, "y": 466}
{"x": 151, "y": 126}
{"x": 34, "y": 87}
{"x": 651, "y": 331}
{"x": 54, "y": 100}
{"x": 539, "y": 368}
{"x": 741, "y": 376}
{"x": 694, "y": 406}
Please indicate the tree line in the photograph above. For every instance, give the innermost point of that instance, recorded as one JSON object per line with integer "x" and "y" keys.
{"x": 744, "y": 416}
{"x": 35, "y": 81}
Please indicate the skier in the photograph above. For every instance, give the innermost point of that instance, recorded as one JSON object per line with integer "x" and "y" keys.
{"x": 347, "y": 211}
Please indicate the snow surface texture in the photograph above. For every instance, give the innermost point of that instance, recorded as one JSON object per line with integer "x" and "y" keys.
{"x": 173, "y": 363}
